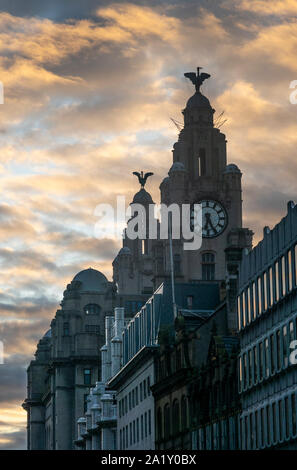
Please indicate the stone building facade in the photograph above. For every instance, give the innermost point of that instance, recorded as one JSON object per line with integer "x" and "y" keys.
{"x": 67, "y": 362}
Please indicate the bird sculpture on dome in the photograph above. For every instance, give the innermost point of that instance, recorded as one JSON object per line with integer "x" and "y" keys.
{"x": 198, "y": 79}
{"x": 142, "y": 177}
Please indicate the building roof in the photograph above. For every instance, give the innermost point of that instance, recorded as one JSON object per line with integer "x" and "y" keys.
{"x": 142, "y": 197}
{"x": 91, "y": 281}
{"x": 198, "y": 101}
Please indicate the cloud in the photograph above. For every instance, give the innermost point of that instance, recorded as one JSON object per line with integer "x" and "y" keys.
{"x": 262, "y": 7}
{"x": 89, "y": 92}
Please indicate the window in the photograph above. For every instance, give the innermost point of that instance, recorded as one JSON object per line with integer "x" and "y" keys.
{"x": 251, "y": 431}
{"x": 140, "y": 392}
{"x": 92, "y": 309}
{"x": 255, "y": 365}
{"x": 272, "y": 361}
{"x": 243, "y": 309}
{"x": 274, "y": 428}
{"x": 259, "y": 295}
{"x": 280, "y": 420}
{"x": 285, "y": 346}
{"x": 283, "y": 266}
{"x": 149, "y": 422}
{"x": 145, "y": 424}
{"x": 265, "y": 291}
{"x": 276, "y": 270}
{"x": 208, "y": 266}
{"x": 148, "y": 386}
{"x": 244, "y": 370}
{"x": 270, "y": 279}
{"x": 294, "y": 427}
{"x": 66, "y": 329}
{"x": 190, "y": 301}
{"x": 267, "y": 356}
{"x": 295, "y": 250}
{"x": 144, "y": 247}
{"x": 254, "y": 301}
{"x": 287, "y": 417}
{"x": 184, "y": 413}
{"x": 278, "y": 350}
{"x": 159, "y": 424}
{"x": 87, "y": 376}
{"x": 291, "y": 332}
{"x": 250, "y": 367}
{"x": 167, "y": 421}
{"x": 142, "y": 430}
{"x": 290, "y": 269}
{"x": 133, "y": 398}
{"x": 262, "y": 427}
{"x": 92, "y": 329}
{"x": 238, "y": 312}
{"x": 144, "y": 389}
{"x": 249, "y": 304}
{"x": 268, "y": 425}
{"x": 201, "y": 162}
{"x": 257, "y": 429}
{"x": 86, "y": 402}
{"x": 261, "y": 361}
{"x": 136, "y": 396}
{"x": 177, "y": 264}
{"x": 240, "y": 374}
{"x": 137, "y": 429}
{"x": 175, "y": 417}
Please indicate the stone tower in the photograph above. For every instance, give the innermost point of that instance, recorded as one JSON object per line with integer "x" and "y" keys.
{"x": 200, "y": 174}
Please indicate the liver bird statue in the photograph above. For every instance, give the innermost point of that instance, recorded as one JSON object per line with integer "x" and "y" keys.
{"x": 142, "y": 177}
{"x": 198, "y": 79}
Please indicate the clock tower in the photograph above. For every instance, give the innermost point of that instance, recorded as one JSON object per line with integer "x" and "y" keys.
{"x": 200, "y": 174}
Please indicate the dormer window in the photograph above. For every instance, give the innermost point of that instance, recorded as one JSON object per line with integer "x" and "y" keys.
{"x": 92, "y": 309}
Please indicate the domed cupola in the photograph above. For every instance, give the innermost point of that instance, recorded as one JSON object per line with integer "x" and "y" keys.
{"x": 198, "y": 109}
{"x": 91, "y": 280}
{"x": 142, "y": 197}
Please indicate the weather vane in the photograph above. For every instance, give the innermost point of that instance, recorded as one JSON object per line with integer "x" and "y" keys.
{"x": 198, "y": 79}
{"x": 142, "y": 177}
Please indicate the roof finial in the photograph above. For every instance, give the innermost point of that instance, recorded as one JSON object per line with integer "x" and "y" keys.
{"x": 142, "y": 177}
{"x": 198, "y": 79}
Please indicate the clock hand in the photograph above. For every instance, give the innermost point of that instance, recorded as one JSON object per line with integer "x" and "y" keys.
{"x": 208, "y": 222}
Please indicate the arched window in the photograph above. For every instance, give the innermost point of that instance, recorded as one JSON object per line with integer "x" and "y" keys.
{"x": 175, "y": 417}
{"x": 166, "y": 421}
{"x": 208, "y": 266}
{"x": 201, "y": 162}
{"x": 159, "y": 424}
{"x": 92, "y": 309}
{"x": 184, "y": 413}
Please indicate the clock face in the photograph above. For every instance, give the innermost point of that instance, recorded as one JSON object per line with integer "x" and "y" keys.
{"x": 214, "y": 218}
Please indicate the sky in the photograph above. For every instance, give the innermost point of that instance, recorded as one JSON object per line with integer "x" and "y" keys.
{"x": 90, "y": 88}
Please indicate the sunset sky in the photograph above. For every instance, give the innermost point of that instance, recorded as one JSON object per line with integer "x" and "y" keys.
{"x": 90, "y": 88}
